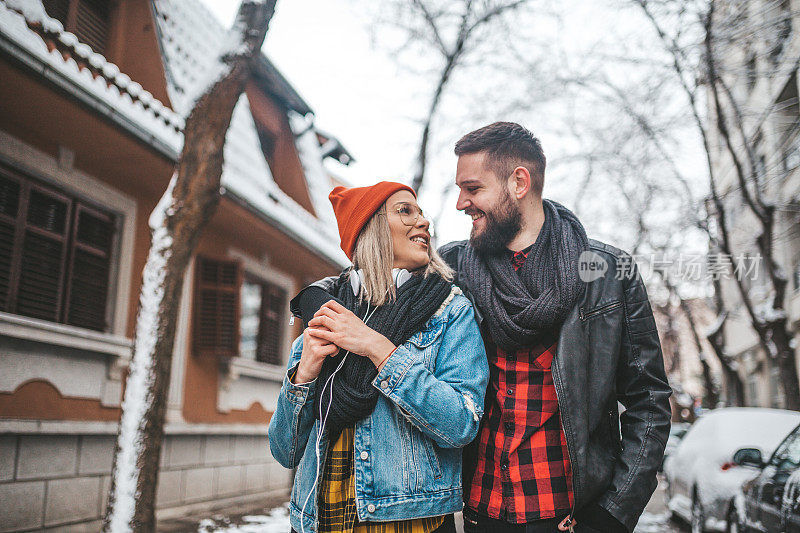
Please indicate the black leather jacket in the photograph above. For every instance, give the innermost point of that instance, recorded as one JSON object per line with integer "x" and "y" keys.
{"x": 608, "y": 351}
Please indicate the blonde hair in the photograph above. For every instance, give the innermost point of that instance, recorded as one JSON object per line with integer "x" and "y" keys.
{"x": 374, "y": 255}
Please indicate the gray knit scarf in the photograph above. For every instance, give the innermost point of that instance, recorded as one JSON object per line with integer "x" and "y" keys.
{"x": 522, "y": 306}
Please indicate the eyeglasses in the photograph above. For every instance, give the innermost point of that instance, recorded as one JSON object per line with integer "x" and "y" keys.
{"x": 409, "y": 213}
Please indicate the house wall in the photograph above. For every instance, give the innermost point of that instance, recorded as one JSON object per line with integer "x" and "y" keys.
{"x": 58, "y": 476}
{"x": 778, "y": 131}
{"x": 61, "y": 387}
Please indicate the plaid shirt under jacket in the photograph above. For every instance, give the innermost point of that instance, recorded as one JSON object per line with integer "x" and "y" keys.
{"x": 523, "y": 471}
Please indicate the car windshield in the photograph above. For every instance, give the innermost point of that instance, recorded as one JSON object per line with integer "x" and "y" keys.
{"x": 787, "y": 456}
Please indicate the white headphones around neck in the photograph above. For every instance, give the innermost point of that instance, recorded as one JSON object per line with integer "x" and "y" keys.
{"x": 400, "y": 276}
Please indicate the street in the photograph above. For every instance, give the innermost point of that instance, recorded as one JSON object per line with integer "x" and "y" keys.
{"x": 656, "y": 518}
{"x": 274, "y": 519}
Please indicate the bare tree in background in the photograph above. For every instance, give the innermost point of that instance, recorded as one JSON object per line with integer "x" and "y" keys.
{"x": 446, "y": 31}
{"x": 727, "y": 130}
{"x": 176, "y": 224}
{"x": 635, "y": 176}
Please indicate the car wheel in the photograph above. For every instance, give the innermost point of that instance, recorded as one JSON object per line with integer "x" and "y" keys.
{"x": 668, "y": 496}
{"x": 698, "y": 521}
{"x": 734, "y": 521}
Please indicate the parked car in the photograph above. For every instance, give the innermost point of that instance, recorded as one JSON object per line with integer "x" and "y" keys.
{"x": 701, "y": 476}
{"x": 771, "y": 501}
{"x": 676, "y": 433}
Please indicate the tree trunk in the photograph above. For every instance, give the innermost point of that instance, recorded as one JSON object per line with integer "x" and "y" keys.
{"x": 176, "y": 224}
{"x": 712, "y": 394}
{"x": 771, "y": 328}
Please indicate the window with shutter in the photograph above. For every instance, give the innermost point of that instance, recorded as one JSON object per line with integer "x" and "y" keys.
{"x": 216, "y": 325}
{"x": 10, "y": 191}
{"x": 88, "y": 284}
{"x": 87, "y": 19}
{"x": 55, "y": 254}
{"x": 273, "y": 305}
{"x": 44, "y": 247}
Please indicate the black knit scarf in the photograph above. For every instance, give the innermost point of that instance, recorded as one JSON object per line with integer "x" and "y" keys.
{"x": 522, "y": 306}
{"x": 354, "y": 397}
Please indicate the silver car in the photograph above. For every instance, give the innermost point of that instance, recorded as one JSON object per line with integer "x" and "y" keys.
{"x": 701, "y": 476}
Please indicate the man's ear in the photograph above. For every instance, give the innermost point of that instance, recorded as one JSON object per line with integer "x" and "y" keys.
{"x": 519, "y": 183}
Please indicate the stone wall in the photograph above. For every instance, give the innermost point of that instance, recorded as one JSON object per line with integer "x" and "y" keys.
{"x": 55, "y": 480}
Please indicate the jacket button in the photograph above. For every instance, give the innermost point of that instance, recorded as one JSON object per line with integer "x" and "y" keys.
{"x": 364, "y": 456}
{"x": 384, "y": 384}
{"x": 371, "y": 508}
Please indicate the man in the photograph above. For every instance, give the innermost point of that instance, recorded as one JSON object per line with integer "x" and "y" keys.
{"x": 569, "y": 333}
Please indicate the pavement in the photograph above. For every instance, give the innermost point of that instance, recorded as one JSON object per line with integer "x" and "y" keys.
{"x": 656, "y": 518}
{"x": 272, "y": 517}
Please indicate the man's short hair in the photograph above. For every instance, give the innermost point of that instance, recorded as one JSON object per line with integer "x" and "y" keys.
{"x": 507, "y": 145}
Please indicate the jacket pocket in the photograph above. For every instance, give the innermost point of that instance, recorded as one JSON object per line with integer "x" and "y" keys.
{"x": 424, "y": 342}
{"x": 613, "y": 426}
{"x": 605, "y": 308}
{"x": 433, "y": 458}
{"x": 427, "y": 335}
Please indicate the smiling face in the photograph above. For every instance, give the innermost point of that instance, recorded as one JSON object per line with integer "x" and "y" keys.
{"x": 496, "y": 216}
{"x": 411, "y": 244}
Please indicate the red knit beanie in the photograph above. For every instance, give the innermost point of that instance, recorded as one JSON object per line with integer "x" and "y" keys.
{"x": 355, "y": 206}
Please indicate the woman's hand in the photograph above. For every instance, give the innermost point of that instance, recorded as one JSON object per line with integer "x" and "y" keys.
{"x": 337, "y": 324}
{"x": 315, "y": 351}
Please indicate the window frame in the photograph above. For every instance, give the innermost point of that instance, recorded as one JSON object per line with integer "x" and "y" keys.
{"x": 75, "y": 203}
{"x": 262, "y": 271}
{"x": 197, "y": 308}
{"x": 73, "y": 25}
{"x": 265, "y": 284}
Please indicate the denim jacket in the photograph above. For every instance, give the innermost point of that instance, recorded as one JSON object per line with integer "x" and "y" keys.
{"x": 407, "y": 456}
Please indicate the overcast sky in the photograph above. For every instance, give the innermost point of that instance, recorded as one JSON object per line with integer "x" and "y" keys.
{"x": 356, "y": 91}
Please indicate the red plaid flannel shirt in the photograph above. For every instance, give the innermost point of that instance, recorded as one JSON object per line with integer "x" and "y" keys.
{"x": 523, "y": 471}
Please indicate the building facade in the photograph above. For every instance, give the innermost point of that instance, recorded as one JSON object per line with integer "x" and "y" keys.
{"x": 760, "y": 70}
{"x": 92, "y": 103}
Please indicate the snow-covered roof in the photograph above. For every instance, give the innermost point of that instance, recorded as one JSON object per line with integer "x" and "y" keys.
{"x": 191, "y": 38}
{"x": 25, "y": 27}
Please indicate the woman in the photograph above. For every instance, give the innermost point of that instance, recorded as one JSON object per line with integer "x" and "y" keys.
{"x": 394, "y": 373}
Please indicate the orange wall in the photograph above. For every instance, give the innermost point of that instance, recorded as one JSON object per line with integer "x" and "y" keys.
{"x": 45, "y": 119}
{"x": 233, "y": 226}
{"x": 284, "y": 162}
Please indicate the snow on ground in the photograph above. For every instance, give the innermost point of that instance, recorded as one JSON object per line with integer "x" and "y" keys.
{"x": 277, "y": 521}
{"x": 654, "y": 523}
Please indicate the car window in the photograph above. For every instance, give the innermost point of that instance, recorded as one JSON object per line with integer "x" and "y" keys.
{"x": 787, "y": 456}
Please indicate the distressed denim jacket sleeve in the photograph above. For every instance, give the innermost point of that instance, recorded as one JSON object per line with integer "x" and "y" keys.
{"x": 446, "y": 404}
{"x": 293, "y": 419}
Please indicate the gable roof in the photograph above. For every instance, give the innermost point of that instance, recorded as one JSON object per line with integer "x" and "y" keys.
{"x": 190, "y": 38}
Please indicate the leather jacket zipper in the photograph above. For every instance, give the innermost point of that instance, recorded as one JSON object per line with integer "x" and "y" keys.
{"x": 569, "y": 521}
{"x": 584, "y": 315}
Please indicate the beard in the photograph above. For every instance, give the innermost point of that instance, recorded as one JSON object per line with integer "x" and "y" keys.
{"x": 503, "y": 223}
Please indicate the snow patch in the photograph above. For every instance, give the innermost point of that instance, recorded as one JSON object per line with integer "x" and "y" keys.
{"x": 277, "y": 521}
{"x": 653, "y": 523}
{"x": 137, "y": 388}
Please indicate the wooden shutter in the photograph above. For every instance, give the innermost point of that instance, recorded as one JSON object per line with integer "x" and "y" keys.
{"x": 91, "y": 23}
{"x": 44, "y": 247}
{"x": 10, "y": 195}
{"x": 87, "y": 19}
{"x": 57, "y": 9}
{"x": 273, "y": 304}
{"x": 88, "y": 283}
{"x": 216, "y": 325}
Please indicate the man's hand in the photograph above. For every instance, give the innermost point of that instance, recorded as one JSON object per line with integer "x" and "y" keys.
{"x": 337, "y": 324}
